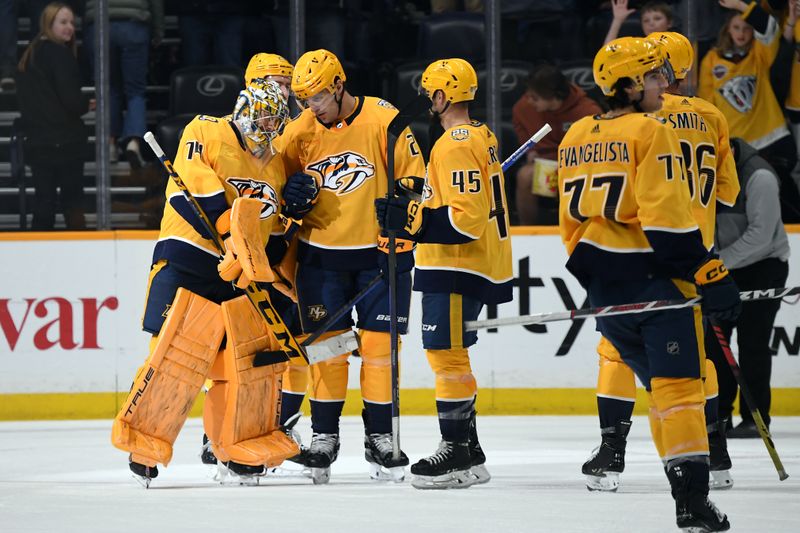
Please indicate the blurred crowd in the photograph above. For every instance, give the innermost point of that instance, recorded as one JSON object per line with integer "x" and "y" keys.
{"x": 749, "y": 67}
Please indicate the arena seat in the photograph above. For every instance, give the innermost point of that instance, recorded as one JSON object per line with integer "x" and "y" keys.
{"x": 209, "y": 90}
{"x": 452, "y": 35}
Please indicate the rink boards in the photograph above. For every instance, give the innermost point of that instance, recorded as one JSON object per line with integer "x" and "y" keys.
{"x": 70, "y": 314}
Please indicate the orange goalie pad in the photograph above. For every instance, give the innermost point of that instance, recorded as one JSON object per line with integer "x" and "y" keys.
{"x": 242, "y": 408}
{"x": 169, "y": 381}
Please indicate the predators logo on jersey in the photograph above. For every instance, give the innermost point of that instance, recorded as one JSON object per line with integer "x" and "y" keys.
{"x": 250, "y": 188}
{"x": 344, "y": 172}
{"x": 739, "y": 92}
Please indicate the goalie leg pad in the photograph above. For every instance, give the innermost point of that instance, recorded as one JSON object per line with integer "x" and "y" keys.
{"x": 169, "y": 381}
{"x": 243, "y": 406}
{"x": 679, "y": 407}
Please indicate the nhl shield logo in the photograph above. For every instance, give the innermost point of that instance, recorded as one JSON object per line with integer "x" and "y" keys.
{"x": 250, "y": 188}
{"x": 673, "y": 348}
{"x": 343, "y": 173}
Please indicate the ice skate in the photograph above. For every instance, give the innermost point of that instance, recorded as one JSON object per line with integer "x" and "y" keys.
{"x": 206, "y": 453}
{"x": 290, "y": 470}
{"x": 142, "y": 473}
{"x": 323, "y": 451}
{"x": 478, "y": 468}
{"x": 448, "y": 468}
{"x": 695, "y": 513}
{"x": 607, "y": 462}
{"x": 378, "y": 451}
{"x": 720, "y": 475}
{"x": 233, "y": 473}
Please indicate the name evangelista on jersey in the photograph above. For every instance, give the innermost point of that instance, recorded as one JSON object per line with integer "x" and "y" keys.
{"x": 465, "y": 175}
{"x": 705, "y": 144}
{"x": 625, "y": 209}
{"x": 216, "y": 168}
{"x": 348, "y": 161}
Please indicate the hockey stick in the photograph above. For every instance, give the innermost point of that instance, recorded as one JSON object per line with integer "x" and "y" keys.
{"x": 622, "y": 309}
{"x": 535, "y": 138}
{"x": 256, "y": 292}
{"x": 763, "y": 430}
{"x": 399, "y": 123}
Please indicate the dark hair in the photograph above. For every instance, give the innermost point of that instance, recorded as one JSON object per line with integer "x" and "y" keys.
{"x": 662, "y": 7}
{"x": 620, "y": 98}
{"x": 549, "y": 82}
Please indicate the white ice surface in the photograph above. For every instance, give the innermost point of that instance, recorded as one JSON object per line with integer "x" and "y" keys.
{"x": 65, "y": 477}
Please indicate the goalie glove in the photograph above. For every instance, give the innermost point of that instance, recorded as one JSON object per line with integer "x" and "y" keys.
{"x": 299, "y": 195}
{"x": 245, "y": 258}
{"x": 720, "y": 294}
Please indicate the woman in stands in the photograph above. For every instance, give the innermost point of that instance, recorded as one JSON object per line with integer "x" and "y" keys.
{"x": 734, "y": 76}
{"x": 50, "y": 99}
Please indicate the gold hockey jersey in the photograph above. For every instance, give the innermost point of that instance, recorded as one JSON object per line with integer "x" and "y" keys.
{"x": 216, "y": 168}
{"x": 743, "y": 92}
{"x": 348, "y": 160}
{"x": 705, "y": 144}
{"x": 625, "y": 209}
{"x": 464, "y": 245}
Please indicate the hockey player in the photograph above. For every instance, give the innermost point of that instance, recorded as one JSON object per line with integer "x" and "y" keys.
{"x": 232, "y": 169}
{"x": 626, "y": 221}
{"x": 270, "y": 67}
{"x": 463, "y": 262}
{"x": 339, "y": 143}
{"x": 705, "y": 144}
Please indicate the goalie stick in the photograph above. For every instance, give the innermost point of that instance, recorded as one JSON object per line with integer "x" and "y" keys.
{"x": 256, "y": 292}
{"x": 622, "y": 309}
{"x": 763, "y": 430}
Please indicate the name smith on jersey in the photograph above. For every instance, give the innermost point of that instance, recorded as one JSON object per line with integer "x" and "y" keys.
{"x": 686, "y": 121}
{"x": 598, "y": 152}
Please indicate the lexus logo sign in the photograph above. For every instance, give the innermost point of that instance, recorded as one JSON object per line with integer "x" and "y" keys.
{"x": 581, "y": 76}
{"x": 210, "y": 86}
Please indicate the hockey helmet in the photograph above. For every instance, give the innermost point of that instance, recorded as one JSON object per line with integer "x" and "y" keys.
{"x": 316, "y": 71}
{"x": 454, "y": 77}
{"x": 261, "y": 112}
{"x": 262, "y": 65}
{"x": 626, "y": 57}
{"x": 677, "y": 49}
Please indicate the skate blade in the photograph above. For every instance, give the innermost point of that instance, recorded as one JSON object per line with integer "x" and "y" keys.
{"x": 481, "y": 474}
{"x": 142, "y": 480}
{"x": 701, "y": 529}
{"x": 320, "y": 476}
{"x": 460, "y": 479}
{"x": 609, "y": 482}
{"x": 720, "y": 480}
{"x": 288, "y": 472}
{"x": 381, "y": 473}
{"x": 226, "y": 476}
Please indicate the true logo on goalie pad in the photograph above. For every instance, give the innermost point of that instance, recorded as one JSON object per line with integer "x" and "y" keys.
{"x": 140, "y": 391}
{"x": 344, "y": 172}
{"x": 250, "y": 188}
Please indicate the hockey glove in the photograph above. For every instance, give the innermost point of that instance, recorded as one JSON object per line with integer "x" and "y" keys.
{"x": 404, "y": 255}
{"x": 299, "y": 195}
{"x": 399, "y": 214}
{"x": 720, "y": 294}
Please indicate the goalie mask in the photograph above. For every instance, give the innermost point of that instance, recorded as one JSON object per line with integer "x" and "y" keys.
{"x": 261, "y": 112}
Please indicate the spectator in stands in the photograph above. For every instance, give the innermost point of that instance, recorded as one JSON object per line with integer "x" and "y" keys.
{"x": 655, "y": 16}
{"x": 51, "y": 104}
{"x": 211, "y": 31}
{"x": 752, "y": 242}
{"x": 735, "y": 77}
{"x": 551, "y": 99}
{"x": 134, "y": 26}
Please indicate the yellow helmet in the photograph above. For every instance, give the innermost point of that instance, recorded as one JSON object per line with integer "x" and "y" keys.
{"x": 626, "y": 57}
{"x": 454, "y": 77}
{"x": 262, "y": 65}
{"x": 316, "y": 71}
{"x": 678, "y": 50}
